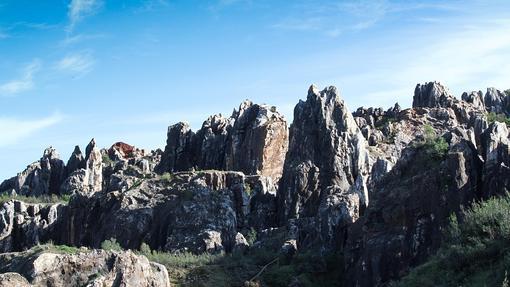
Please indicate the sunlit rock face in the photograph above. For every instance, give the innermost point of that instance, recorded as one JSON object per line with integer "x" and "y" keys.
{"x": 253, "y": 140}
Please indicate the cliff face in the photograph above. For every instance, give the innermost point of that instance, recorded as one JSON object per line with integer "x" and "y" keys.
{"x": 374, "y": 187}
{"x": 253, "y": 140}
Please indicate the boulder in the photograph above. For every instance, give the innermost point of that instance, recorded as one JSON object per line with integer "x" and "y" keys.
{"x": 83, "y": 268}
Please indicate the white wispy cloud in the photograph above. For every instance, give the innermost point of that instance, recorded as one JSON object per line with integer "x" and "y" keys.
{"x": 14, "y": 130}
{"x": 79, "y": 9}
{"x": 465, "y": 58}
{"x": 22, "y": 84}
{"x": 336, "y": 18}
{"x": 77, "y": 64}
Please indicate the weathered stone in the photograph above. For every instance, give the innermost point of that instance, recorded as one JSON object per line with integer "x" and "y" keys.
{"x": 253, "y": 140}
{"x": 85, "y": 268}
{"x": 432, "y": 95}
{"x": 326, "y": 149}
{"x": 75, "y": 162}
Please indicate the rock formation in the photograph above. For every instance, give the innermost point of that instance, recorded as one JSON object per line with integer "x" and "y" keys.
{"x": 85, "y": 268}
{"x": 326, "y": 165}
{"x": 253, "y": 140}
{"x": 373, "y": 189}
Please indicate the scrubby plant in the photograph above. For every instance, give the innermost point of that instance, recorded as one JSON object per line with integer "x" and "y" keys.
{"x": 166, "y": 177}
{"x": 475, "y": 252}
{"x": 502, "y": 118}
{"x": 433, "y": 145}
{"x": 111, "y": 245}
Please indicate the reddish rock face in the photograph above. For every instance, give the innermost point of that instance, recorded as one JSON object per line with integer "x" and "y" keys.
{"x": 124, "y": 149}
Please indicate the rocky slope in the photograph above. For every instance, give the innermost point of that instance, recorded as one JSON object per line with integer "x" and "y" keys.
{"x": 367, "y": 193}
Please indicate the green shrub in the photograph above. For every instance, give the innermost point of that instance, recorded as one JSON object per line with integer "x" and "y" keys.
{"x": 475, "y": 252}
{"x": 166, "y": 177}
{"x": 433, "y": 145}
{"x": 502, "y": 118}
{"x": 111, "y": 245}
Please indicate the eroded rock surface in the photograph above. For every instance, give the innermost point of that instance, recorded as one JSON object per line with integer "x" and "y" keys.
{"x": 253, "y": 140}
{"x": 84, "y": 268}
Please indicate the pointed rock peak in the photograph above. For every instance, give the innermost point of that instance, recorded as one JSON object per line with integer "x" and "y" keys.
{"x": 50, "y": 153}
{"x": 179, "y": 126}
{"x": 77, "y": 150}
{"x": 313, "y": 90}
{"x": 432, "y": 95}
{"x": 89, "y": 148}
{"x": 245, "y": 105}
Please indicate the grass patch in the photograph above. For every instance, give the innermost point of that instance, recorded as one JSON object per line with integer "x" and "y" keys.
{"x": 475, "y": 252}
{"x": 60, "y": 249}
{"x": 43, "y": 199}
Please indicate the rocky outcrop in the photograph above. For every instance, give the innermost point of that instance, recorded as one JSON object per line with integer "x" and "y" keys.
{"x": 190, "y": 211}
{"x": 83, "y": 268}
{"x": 375, "y": 186}
{"x": 326, "y": 166}
{"x": 24, "y": 225}
{"x": 75, "y": 162}
{"x": 39, "y": 178}
{"x": 409, "y": 209}
{"x": 496, "y": 154}
{"x": 432, "y": 95}
{"x": 253, "y": 140}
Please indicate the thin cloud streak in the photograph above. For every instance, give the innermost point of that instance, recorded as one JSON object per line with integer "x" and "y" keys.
{"x": 78, "y": 64}
{"x": 23, "y": 84}
{"x": 79, "y": 9}
{"x": 14, "y": 130}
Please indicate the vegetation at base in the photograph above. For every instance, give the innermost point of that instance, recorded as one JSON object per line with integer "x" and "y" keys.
{"x": 188, "y": 269}
{"x": 434, "y": 146}
{"x": 111, "y": 245}
{"x": 475, "y": 252}
{"x": 502, "y": 118}
{"x": 43, "y": 199}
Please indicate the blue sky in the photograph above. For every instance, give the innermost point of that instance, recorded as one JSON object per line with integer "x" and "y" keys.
{"x": 125, "y": 70}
